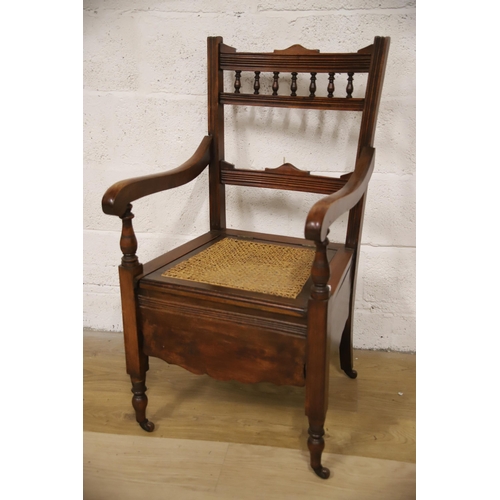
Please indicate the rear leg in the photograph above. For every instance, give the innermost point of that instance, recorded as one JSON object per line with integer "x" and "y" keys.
{"x": 346, "y": 352}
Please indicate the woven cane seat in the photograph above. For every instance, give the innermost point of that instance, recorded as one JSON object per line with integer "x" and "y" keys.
{"x": 247, "y": 265}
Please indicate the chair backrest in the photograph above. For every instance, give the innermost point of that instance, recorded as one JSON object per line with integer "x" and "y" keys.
{"x": 294, "y": 60}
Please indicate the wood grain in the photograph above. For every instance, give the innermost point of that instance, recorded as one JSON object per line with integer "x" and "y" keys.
{"x": 274, "y": 179}
{"x": 303, "y": 63}
{"x": 252, "y": 472}
{"x": 170, "y": 333}
{"x": 217, "y": 199}
{"x": 130, "y": 467}
{"x": 118, "y": 466}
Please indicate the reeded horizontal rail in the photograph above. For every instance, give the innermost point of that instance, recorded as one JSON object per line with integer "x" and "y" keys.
{"x": 304, "y": 183}
{"x": 318, "y": 63}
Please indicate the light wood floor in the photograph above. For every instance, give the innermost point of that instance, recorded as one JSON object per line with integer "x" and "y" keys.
{"x": 227, "y": 440}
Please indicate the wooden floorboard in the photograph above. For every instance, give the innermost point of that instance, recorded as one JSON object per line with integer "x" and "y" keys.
{"x": 370, "y": 431}
{"x": 132, "y": 467}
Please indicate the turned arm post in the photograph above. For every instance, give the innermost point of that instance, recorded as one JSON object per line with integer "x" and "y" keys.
{"x": 317, "y": 335}
{"x": 137, "y": 363}
{"x": 320, "y": 272}
{"x": 128, "y": 241}
{"x": 317, "y": 367}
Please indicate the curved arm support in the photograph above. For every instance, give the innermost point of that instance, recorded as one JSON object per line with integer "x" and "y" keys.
{"x": 120, "y": 194}
{"x": 328, "y": 209}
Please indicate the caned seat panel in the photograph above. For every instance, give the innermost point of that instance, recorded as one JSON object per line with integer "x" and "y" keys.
{"x": 248, "y": 265}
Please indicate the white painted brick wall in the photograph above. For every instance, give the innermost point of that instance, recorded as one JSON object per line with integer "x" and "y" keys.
{"x": 145, "y": 112}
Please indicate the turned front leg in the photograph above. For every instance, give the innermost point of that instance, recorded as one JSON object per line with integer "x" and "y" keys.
{"x": 140, "y": 402}
{"x": 137, "y": 361}
{"x": 316, "y": 445}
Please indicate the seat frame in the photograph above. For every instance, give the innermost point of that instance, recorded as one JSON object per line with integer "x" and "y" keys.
{"x": 240, "y": 335}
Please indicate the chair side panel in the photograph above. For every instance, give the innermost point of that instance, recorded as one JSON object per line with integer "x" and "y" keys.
{"x": 224, "y": 346}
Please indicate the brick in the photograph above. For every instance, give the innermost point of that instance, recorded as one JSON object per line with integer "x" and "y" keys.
{"x": 328, "y": 5}
{"x": 137, "y": 129}
{"x": 395, "y": 138}
{"x": 202, "y": 6}
{"x": 98, "y": 127}
{"x": 262, "y": 137}
{"x": 102, "y": 308}
{"x": 174, "y": 48}
{"x": 374, "y": 330}
{"x": 102, "y": 254}
{"x": 390, "y": 213}
{"x": 351, "y": 32}
{"x": 110, "y": 56}
{"x": 389, "y": 279}
{"x": 101, "y": 257}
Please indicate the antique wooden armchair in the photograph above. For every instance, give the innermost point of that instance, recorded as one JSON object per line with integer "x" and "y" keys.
{"x": 247, "y": 306}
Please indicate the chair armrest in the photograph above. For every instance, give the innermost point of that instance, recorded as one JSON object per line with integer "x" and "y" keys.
{"x": 328, "y": 209}
{"x": 120, "y": 194}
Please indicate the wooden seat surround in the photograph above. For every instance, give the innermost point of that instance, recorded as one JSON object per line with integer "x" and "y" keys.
{"x": 278, "y": 323}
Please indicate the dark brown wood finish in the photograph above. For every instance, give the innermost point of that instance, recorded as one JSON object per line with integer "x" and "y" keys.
{"x": 312, "y": 85}
{"x": 380, "y": 51}
{"x": 256, "y": 84}
{"x": 350, "y": 87}
{"x": 293, "y": 85}
{"x": 287, "y": 179}
{"x": 286, "y": 101}
{"x": 237, "y": 82}
{"x": 275, "y": 87}
{"x": 154, "y": 282}
{"x": 172, "y": 332}
{"x": 233, "y": 334}
{"x": 296, "y": 50}
{"x": 301, "y": 63}
{"x": 136, "y": 360}
{"x": 216, "y": 131}
{"x": 317, "y": 367}
{"x": 331, "y": 85}
{"x": 324, "y": 213}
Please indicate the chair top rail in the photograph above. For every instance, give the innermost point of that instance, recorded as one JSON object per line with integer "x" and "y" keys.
{"x": 300, "y": 63}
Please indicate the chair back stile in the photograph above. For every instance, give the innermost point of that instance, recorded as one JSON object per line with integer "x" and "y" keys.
{"x": 216, "y": 130}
